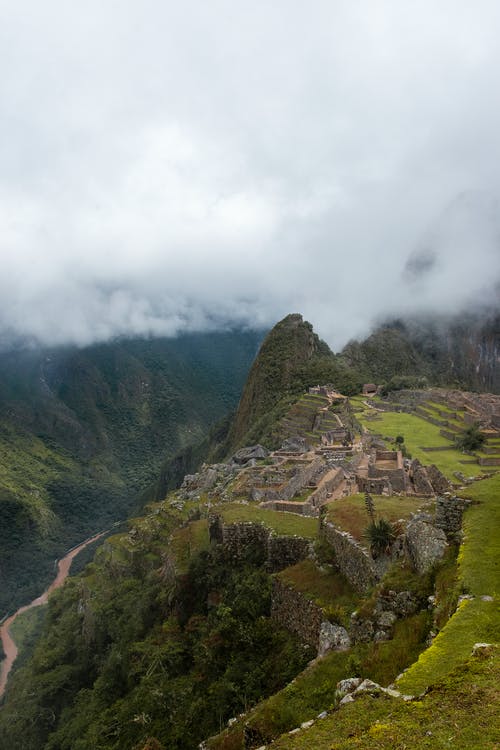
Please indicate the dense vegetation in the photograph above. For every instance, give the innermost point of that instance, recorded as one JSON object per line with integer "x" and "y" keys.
{"x": 132, "y": 650}
{"x": 84, "y": 432}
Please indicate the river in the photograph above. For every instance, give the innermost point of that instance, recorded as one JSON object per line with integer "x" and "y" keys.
{"x": 8, "y": 642}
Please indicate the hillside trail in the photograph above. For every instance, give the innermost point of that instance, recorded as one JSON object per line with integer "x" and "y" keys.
{"x": 8, "y": 643}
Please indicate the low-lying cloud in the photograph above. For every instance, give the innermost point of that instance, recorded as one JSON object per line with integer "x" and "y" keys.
{"x": 169, "y": 168}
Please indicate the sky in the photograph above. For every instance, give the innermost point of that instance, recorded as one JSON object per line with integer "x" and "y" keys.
{"x": 167, "y": 167}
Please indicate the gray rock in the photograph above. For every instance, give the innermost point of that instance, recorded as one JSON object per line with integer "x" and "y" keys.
{"x": 439, "y": 483}
{"x": 346, "y": 699}
{"x": 381, "y": 635}
{"x": 425, "y": 543}
{"x": 251, "y": 452}
{"x": 386, "y": 620}
{"x": 349, "y": 684}
{"x": 333, "y": 638}
{"x": 368, "y": 686}
{"x": 361, "y": 630}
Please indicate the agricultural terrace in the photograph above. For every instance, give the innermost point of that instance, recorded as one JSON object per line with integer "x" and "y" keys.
{"x": 350, "y": 513}
{"x": 418, "y": 434}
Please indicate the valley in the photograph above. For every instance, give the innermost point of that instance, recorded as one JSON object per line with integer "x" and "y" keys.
{"x": 324, "y": 586}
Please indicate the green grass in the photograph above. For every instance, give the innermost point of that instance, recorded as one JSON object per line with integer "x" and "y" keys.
{"x": 325, "y": 587}
{"x": 349, "y": 513}
{"x": 188, "y": 541}
{"x": 417, "y": 434}
{"x": 282, "y": 523}
{"x": 478, "y": 574}
{"x": 461, "y": 713}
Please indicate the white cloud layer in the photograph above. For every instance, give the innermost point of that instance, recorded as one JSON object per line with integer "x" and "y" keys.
{"x": 176, "y": 166}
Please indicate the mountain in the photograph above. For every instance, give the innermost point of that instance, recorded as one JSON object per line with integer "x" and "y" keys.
{"x": 461, "y": 350}
{"x": 83, "y": 432}
{"x": 204, "y": 618}
{"x": 291, "y": 359}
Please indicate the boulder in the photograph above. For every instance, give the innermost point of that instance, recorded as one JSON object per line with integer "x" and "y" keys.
{"x": 333, "y": 638}
{"x": 349, "y": 684}
{"x": 244, "y": 455}
{"x": 295, "y": 444}
{"x": 425, "y": 543}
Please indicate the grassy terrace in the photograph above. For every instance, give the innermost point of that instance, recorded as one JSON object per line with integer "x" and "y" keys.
{"x": 282, "y": 523}
{"x": 349, "y": 513}
{"x": 479, "y": 574}
{"x": 417, "y": 434}
{"x": 324, "y": 586}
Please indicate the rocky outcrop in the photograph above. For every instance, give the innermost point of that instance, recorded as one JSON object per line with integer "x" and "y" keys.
{"x": 425, "y": 543}
{"x": 332, "y": 638}
{"x": 439, "y": 483}
{"x": 252, "y": 452}
{"x": 420, "y": 480}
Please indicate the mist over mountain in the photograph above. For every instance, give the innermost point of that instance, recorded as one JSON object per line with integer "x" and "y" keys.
{"x": 207, "y": 182}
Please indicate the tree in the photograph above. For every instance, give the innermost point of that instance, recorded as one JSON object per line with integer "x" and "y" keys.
{"x": 471, "y": 439}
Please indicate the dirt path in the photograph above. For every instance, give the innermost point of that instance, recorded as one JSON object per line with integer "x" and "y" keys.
{"x": 8, "y": 643}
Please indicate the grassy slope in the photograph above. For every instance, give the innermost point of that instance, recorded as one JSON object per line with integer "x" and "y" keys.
{"x": 461, "y": 712}
{"x": 479, "y": 567}
{"x": 417, "y": 434}
{"x": 350, "y": 512}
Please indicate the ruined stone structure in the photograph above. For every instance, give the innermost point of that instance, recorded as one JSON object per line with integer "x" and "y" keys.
{"x": 449, "y": 514}
{"x": 250, "y": 540}
{"x": 349, "y": 556}
{"x": 294, "y": 611}
{"x": 389, "y": 464}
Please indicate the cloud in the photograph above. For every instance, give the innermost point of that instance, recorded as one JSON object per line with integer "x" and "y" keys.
{"x": 170, "y": 168}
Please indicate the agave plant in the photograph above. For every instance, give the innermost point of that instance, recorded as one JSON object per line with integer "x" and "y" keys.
{"x": 380, "y": 534}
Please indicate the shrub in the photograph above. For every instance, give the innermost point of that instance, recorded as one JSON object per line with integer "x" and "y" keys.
{"x": 380, "y": 534}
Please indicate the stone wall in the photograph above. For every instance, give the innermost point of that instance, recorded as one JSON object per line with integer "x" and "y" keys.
{"x": 374, "y": 486}
{"x": 292, "y": 610}
{"x": 328, "y": 486}
{"x": 244, "y": 540}
{"x": 301, "y": 479}
{"x": 254, "y": 541}
{"x": 283, "y": 551}
{"x": 449, "y": 513}
{"x": 349, "y": 556}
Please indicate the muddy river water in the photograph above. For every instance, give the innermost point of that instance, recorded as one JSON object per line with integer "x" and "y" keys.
{"x": 8, "y": 643}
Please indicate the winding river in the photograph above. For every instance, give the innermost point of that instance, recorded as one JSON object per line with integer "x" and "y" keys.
{"x": 8, "y": 643}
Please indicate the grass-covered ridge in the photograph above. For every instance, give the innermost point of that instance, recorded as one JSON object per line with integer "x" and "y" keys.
{"x": 475, "y": 620}
{"x": 84, "y": 432}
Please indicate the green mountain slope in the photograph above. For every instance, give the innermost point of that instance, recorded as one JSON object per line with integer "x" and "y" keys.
{"x": 291, "y": 358}
{"x": 463, "y": 351}
{"x": 84, "y": 432}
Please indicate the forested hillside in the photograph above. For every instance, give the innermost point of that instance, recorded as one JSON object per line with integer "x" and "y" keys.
{"x": 84, "y": 432}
